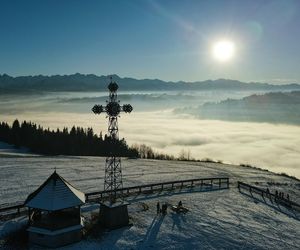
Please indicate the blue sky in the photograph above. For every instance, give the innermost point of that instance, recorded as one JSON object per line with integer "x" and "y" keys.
{"x": 169, "y": 40}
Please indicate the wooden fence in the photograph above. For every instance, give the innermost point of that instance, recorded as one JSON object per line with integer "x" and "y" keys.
{"x": 264, "y": 194}
{"x": 18, "y": 208}
{"x": 215, "y": 183}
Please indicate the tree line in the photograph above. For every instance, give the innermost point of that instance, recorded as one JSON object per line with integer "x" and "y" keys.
{"x": 146, "y": 152}
{"x": 76, "y": 141}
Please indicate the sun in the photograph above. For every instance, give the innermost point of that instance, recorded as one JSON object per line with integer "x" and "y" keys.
{"x": 223, "y": 50}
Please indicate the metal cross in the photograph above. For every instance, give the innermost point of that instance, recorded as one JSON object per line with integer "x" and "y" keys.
{"x": 113, "y": 170}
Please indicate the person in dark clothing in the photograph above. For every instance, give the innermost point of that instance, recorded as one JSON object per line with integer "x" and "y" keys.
{"x": 179, "y": 204}
{"x": 164, "y": 209}
{"x": 158, "y": 208}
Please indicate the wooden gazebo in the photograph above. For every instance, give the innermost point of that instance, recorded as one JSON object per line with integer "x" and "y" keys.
{"x": 54, "y": 213}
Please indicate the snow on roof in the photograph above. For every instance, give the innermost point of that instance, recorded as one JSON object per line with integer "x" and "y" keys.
{"x": 55, "y": 194}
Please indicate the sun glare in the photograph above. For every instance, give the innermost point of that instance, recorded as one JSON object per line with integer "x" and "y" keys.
{"x": 223, "y": 50}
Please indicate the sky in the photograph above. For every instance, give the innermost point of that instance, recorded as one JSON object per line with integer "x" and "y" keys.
{"x": 168, "y": 40}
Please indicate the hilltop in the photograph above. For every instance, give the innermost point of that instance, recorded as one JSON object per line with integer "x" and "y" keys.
{"x": 279, "y": 107}
{"x": 218, "y": 219}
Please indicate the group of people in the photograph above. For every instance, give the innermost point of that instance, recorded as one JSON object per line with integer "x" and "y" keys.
{"x": 163, "y": 209}
{"x": 280, "y": 195}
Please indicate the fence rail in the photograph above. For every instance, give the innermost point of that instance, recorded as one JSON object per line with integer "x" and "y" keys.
{"x": 18, "y": 208}
{"x": 252, "y": 189}
{"x": 218, "y": 183}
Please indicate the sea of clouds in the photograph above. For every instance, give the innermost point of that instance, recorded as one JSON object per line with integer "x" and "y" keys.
{"x": 270, "y": 146}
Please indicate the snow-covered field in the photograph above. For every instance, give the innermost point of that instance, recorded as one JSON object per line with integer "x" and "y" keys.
{"x": 222, "y": 219}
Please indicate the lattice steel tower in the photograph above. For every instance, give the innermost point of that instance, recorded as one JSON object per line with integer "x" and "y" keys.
{"x": 113, "y": 170}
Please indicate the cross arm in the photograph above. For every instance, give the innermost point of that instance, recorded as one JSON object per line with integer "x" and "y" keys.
{"x": 112, "y": 109}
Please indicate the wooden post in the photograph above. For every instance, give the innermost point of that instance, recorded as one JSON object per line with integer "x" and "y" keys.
{"x": 227, "y": 182}
{"x": 29, "y": 217}
{"x": 220, "y": 183}
{"x": 79, "y": 212}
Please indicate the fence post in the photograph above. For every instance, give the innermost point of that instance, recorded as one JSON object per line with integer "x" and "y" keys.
{"x": 29, "y": 217}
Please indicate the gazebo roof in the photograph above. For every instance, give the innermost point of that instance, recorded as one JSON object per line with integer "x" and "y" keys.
{"x": 55, "y": 194}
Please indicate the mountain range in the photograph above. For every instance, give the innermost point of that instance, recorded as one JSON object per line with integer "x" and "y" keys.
{"x": 91, "y": 82}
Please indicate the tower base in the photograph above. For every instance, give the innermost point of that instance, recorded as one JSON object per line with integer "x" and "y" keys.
{"x": 114, "y": 215}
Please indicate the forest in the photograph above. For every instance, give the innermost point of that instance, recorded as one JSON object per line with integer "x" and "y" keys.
{"x": 76, "y": 141}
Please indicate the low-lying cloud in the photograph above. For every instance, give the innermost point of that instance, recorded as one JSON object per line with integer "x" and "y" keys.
{"x": 275, "y": 147}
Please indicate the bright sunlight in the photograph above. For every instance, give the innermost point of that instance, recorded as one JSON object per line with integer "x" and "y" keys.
{"x": 223, "y": 50}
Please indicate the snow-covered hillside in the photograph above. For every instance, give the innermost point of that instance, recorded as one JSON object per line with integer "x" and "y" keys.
{"x": 222, "y": 219}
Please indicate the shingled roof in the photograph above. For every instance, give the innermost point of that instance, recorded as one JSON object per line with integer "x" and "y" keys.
{"x": 55, "y": 194}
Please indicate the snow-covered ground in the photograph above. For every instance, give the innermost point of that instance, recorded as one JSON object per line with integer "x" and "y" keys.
{"x": 222, "y": 219}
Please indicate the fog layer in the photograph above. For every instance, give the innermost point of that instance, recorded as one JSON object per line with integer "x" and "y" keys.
{"x": 271, "y": 146}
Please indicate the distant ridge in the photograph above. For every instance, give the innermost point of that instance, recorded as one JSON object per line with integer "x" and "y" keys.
{"x": 274, "y": 107}
{"x": 90, "y": 82}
